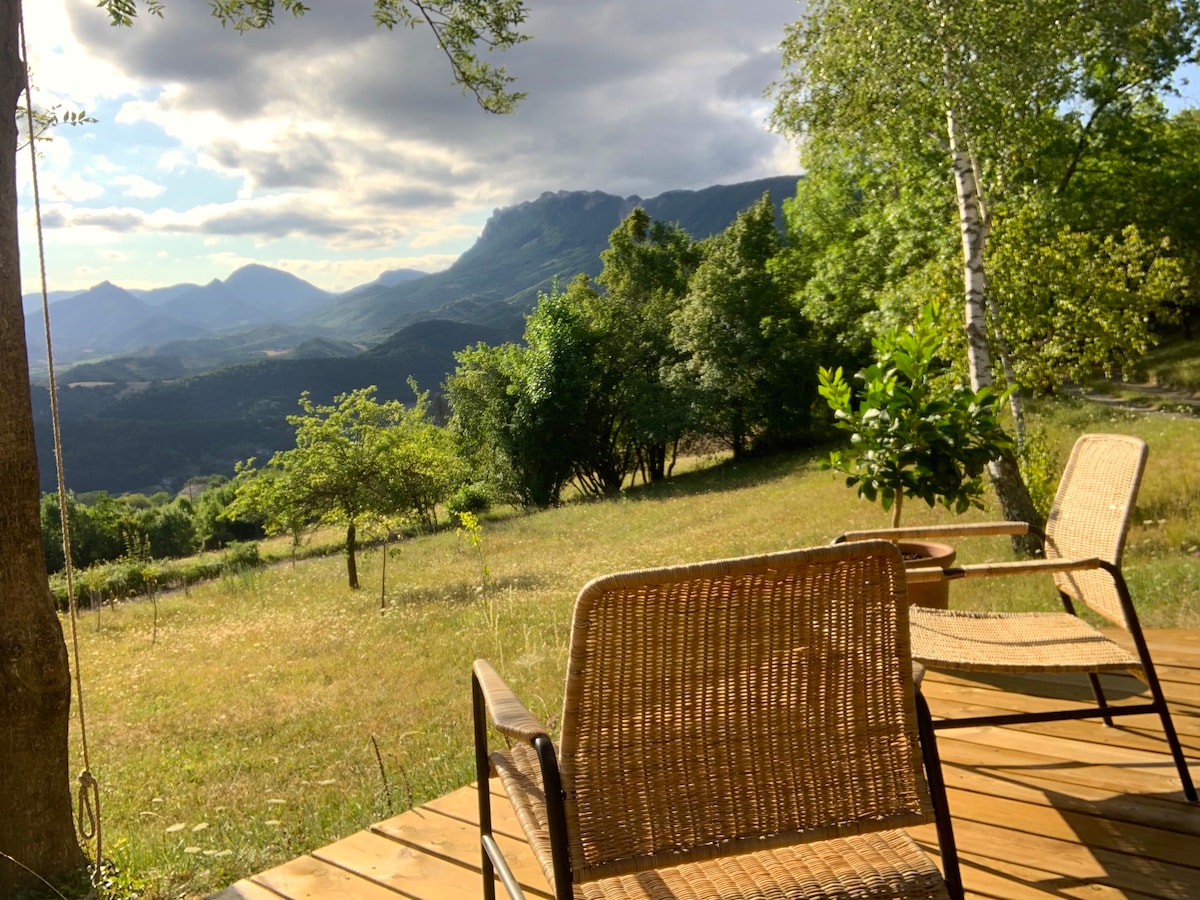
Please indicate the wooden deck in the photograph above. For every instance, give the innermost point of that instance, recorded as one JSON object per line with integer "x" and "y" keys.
{"x": 1063, "y": 809}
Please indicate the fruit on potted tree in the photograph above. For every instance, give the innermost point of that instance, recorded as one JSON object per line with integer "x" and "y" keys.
{"x": 915, "y": 432}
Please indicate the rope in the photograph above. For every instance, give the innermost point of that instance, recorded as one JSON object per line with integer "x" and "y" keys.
{"x": 89, "y": 790}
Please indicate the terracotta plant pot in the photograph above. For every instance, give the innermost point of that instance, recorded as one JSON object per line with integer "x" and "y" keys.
{"x": 925, "y": 555}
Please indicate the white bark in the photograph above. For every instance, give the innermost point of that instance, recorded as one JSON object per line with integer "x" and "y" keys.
{"x": 1002, "y": 347}
{"x": 1005, "y": 474}
{"x": 971, "y": 228}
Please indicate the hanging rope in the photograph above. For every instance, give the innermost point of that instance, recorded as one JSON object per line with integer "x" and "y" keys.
{"x": 89, "y": 790}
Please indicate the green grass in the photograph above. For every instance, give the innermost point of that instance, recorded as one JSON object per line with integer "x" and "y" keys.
{"x": 1174, "y": 364}
{"x": 245, "y": 733}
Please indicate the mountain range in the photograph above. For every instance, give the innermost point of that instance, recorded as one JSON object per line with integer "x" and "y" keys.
{"x": 160, "y": 385}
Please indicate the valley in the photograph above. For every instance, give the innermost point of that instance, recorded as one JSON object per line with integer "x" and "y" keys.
{"x": 158, "y": 386}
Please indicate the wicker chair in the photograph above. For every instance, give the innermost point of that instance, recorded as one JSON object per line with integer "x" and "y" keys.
{"x": 1084, "y": 541}
{"x": 743, "y": 728}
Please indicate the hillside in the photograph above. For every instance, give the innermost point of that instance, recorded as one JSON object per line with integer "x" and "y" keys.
{"x": 524, "y": 248}
{"x": 197, "y": 402}
{"x": 204, "y": 326}
{"x": 121, "y": 437}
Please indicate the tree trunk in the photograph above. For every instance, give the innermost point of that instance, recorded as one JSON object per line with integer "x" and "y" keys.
{"x": 1002, "y": 348}
{"x": 970, "y": 222}
{"x": 656, "y": 460}
{"x": 1015, "y": 502}
{"x": 36, "y": 826}
{"x": 351, "y": 555}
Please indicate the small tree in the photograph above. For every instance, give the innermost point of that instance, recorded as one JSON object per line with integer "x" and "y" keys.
{"x": 914, "y": 432}
{"x": 482, "y": 394}
{"x": 525, "y": 415}
{"x": 353, "y": 461}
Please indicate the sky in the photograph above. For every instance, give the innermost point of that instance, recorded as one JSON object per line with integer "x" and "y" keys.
{"x": 335, "y": 150}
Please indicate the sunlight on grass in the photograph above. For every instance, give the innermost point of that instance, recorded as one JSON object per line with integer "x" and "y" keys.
{"x": 245, "y": 735}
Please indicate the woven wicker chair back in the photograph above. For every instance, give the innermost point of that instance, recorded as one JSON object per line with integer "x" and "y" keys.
{"x": 741, "y": 702}
{"x": 1091, "y": 513}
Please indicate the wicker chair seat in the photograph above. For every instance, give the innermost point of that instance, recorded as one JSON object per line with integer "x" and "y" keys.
{"x": 1014, "y": 642}
{"x": 883, "y": 864}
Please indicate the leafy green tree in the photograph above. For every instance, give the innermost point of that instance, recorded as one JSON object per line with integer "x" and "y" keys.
{"x": 170, "y": 530}
{"x": 51, "y": 516}
{"x": 1142, "y": 170}
{"x": 215, "y": 527}
{"x": 865, "y": 246}
{"x": 483, "y": 394}
{"x": 553, "y": 435}
{"x": 356, "y": 461}
{"x": 644, "y": 279}
{"x": 532, "y": 418}
{"x": 1075, "y": 305}
{"x": 424, "y": 467}
{"x": 982, "y": 85}
{"x": 36, "y": 822}
{"x": 98, "y": 529}
{"x": 743, "y": 341}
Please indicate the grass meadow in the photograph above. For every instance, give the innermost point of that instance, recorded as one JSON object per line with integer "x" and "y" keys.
{"x": 276, "y": 711}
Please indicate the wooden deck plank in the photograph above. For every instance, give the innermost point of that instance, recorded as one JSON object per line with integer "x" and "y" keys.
{"x": 1067, "y": 810}
{"x": 1066, "y": 773}
{"x": 1054, "y": 823}
{"x": 1026, "y": 697}
{"x": 1097, "y": 764}
{"x": 1069, "y": 862}
{"x": 1133, "y": 733}
{"x": 1006, "y": 879}
{"x": 315, "y": 879}
{"x": 245, "y": 890}
{"x": 409, "y": 871}
{"x": 1171, "y": 814}
{"x": 453, "y": 838}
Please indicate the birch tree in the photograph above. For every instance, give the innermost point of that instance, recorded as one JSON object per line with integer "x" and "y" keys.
{"x": 983, "y": 85}
{"x": 37, "y": 834}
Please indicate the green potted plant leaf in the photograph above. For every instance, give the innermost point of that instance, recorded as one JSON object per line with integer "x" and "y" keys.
{"x": 915, "y": 433}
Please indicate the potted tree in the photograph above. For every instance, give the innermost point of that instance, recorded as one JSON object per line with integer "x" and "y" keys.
{"x": 916, "y": 432}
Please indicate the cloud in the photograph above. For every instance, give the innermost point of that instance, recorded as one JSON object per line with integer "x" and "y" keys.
{"x": 350, "y": 136}
{"x": 137, "y": 186}
{"x": 296, "y": 159}
{"x": 121, "y": 221}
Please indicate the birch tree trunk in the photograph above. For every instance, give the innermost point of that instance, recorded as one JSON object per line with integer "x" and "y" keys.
{"x": 36, "y": 825}
{"x": 993, "y": 308}
{"x": 1015, "y": 502}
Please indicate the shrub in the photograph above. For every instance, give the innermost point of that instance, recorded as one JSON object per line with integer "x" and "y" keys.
{"x": 913, "y": 431}
{"x": 473, "y": 498}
